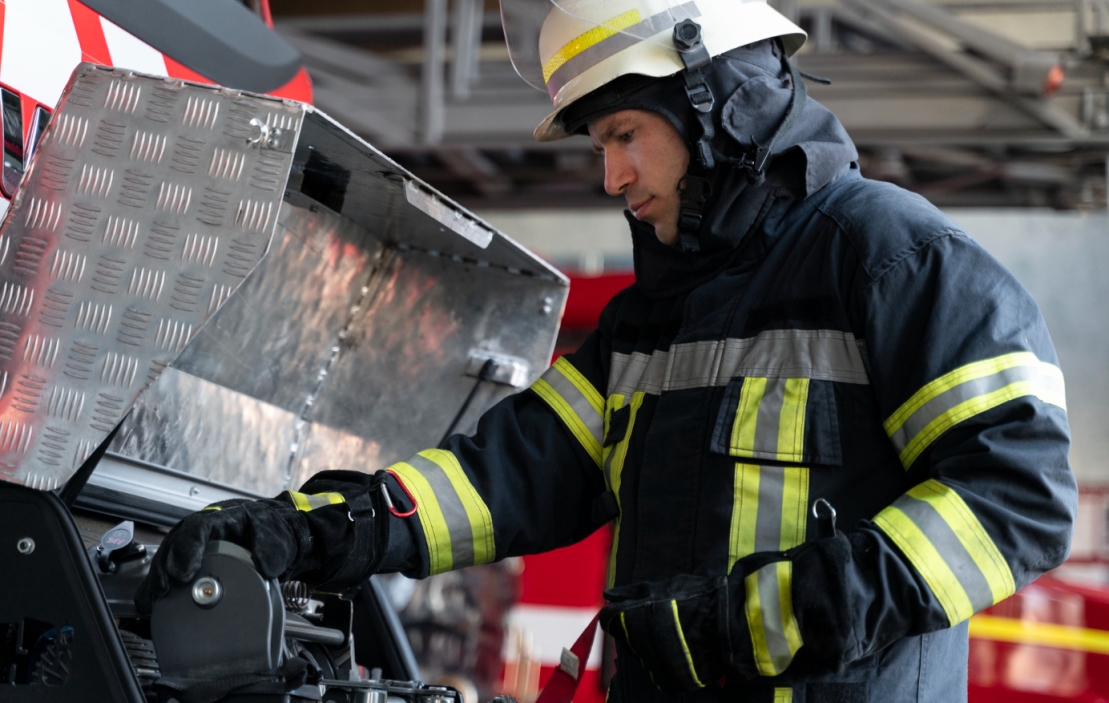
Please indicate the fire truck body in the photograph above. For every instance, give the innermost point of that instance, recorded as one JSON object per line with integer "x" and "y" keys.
{"x": 42, "y": 41}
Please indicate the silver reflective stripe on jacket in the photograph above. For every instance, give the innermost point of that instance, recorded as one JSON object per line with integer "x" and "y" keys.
{"x": 826, "y": 355}
{"x": 969, "y": 391}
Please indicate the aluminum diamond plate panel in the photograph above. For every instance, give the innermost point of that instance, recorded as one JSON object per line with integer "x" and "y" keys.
{"x": 147, "y": 205}
{"x": 336, "y": 353}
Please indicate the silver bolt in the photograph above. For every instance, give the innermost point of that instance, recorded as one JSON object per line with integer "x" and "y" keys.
{"x": 194, "y": 491}
{"x": 207, "y": 591}
{"x": 274, "y": 139}
{"x": 260, "y": 132}
{"x": 25, "y": 546}
{"x": 548, "y": 306}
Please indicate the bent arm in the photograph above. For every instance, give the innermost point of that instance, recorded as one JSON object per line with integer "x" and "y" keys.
{"x": 968, "y": 381}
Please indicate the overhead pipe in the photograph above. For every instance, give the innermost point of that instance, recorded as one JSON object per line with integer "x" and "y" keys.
{"x": 431, "y": 75}
{"x": 466, "y": 28}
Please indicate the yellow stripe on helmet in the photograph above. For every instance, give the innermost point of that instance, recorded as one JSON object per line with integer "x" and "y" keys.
{"x": 589, "y": 39}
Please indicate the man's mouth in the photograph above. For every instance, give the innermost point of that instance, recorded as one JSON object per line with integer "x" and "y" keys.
{"x": 639, "y": 208}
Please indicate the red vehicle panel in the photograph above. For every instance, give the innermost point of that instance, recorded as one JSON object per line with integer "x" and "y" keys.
{"x": 42, "y": 41}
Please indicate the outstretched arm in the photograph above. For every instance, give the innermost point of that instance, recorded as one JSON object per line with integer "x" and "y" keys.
{"x": 528, "y": 480}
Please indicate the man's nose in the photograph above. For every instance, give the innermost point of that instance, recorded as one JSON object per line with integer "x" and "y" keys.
{"x": 618, "y": 173}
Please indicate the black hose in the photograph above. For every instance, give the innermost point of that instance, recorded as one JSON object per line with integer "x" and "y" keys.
{"x": 486, "y": 374}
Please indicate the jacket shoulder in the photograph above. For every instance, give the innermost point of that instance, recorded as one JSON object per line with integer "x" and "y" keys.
{"x": 884, "y": 223}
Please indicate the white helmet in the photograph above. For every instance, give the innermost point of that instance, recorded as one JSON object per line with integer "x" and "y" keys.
{"x": 582, "y": 45}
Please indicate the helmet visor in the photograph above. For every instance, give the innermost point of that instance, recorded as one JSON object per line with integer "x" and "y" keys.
{"x": 522, "y": 21}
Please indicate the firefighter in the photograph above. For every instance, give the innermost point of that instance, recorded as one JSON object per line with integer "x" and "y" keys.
{"x": 827, "y": 425}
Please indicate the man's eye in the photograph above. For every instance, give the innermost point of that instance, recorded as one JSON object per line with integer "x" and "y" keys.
{"x": 626, "y": 136}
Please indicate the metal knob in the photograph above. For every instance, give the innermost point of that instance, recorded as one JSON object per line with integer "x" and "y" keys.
{"x": 207, "y": 591}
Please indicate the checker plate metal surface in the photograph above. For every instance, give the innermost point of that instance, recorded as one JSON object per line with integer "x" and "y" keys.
{"x": 148, "y": 203}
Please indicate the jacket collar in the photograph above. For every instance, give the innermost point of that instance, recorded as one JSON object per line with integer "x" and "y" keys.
{"x": 806, "y": 158}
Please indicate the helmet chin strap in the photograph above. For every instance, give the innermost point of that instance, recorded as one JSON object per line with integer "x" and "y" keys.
{"x": 695, "y": 187}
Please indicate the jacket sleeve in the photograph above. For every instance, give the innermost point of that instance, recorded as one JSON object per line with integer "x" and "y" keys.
{"x": 972, "y": 398}
{"x": 527, "y": 481}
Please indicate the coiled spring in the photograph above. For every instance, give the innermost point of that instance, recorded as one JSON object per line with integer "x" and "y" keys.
{"x": 296, "y": 595}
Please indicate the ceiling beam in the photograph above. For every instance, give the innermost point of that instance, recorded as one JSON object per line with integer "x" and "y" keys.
{"x": 476, "y": 168}
{"x": 975, "y": 69}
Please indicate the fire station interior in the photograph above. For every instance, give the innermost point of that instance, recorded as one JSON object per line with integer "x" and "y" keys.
{"x": 400, "y": 255}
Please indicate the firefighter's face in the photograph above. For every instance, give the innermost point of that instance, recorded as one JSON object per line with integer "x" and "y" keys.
{"x": 645, "y": 160}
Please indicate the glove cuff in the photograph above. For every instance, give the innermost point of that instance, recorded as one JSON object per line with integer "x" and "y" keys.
{"x": 366, "y": 550}
{"x": 800, "y": 600}
{"x": 348, "y": 537}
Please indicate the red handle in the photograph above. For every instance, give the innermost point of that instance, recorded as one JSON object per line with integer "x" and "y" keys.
{"x": 408, "y": 493}
{"x": 563, "y": 683}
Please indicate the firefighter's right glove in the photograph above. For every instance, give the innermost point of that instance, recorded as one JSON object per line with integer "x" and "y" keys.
{"x": 331, "y": 534}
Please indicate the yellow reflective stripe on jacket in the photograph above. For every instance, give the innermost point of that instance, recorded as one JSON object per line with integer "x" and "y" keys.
{"x": 747, "y": 414}
{"x": 770, "y": 419}
{"x": 576, "y": 402}
{"x": 768, "y": 510}
{"x": 615, "y": 456}
{"x": 783, "y": 695}
{"x": 791, "y": 419}
{"x": 775, "y": 635}
{"x": 968, "y": 391}
{"x": 948, "y": 546}
{"x": 308, "y": 503}
{"x": 685, "y": 646}
{"x": 457, "y": 525}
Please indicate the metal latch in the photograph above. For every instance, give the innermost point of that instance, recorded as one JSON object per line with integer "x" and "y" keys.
{"x": 507, "y": 370}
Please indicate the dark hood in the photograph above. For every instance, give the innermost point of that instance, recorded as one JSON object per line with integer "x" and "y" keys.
{"x": 753, "y": 87}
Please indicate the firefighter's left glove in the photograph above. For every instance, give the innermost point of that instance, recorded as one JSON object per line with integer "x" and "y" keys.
{"x": 330, "y": 534}
{"x": 690, "y": 631}
{"x": 680, "y": 629}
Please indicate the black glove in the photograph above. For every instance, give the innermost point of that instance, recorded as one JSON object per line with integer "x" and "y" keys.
{"x": 330, "y": 534}
{"x": 680, "y": 629}
{"x": 690, "y": 631}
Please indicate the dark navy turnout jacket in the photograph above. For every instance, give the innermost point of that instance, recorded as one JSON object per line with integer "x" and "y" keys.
{"x": 861, "y": 349}
{"x": 837, "y": 343}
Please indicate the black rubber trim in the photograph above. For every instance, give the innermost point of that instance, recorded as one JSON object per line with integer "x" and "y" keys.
{"x": 128, "y": 507}
{"x": 379, "y": 636}
{"x": 77, "y": 482}
{"x": 221, "y": 40}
